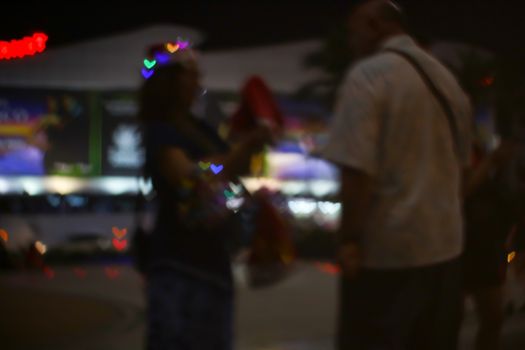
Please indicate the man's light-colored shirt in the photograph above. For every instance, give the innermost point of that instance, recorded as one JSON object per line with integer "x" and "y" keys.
{"x": 389, "y": 125}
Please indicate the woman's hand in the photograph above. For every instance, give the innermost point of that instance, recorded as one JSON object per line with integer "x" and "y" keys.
{"x": 237, "y": 161}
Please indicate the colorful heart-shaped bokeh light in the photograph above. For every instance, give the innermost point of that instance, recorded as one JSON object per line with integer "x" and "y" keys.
{"x": 172, "y": 47}
{"x": 204, "y": 165}
{"x": 149, "y": 64}
{"x": 119, "y": 233}
{"x": 119, "y": 245}
{"x": 216, "y": 168}
{"x": 229, "y": 194}
{"x": 147, "y": 73}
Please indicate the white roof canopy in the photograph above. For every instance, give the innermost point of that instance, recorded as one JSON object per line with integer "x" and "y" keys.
{"x": 281, "y": 66}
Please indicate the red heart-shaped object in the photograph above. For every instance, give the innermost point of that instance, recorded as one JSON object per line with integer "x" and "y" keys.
{"x": 119, "y": 245}
{"x": 119, "y": 233}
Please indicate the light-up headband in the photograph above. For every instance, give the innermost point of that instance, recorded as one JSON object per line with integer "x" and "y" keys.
{"x": 168, "y": 53}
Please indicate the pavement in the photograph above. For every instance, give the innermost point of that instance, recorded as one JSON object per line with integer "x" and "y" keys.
{"x": 102, "y": 308}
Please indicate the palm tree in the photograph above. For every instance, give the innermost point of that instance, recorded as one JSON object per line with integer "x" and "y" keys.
{"x": 498, "y": 83}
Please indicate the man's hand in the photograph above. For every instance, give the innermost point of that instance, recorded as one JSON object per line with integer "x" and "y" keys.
{"x": 349, "y": 257}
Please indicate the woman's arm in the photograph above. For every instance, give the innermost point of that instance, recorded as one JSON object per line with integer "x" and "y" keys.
{"x": 175, "y": 166}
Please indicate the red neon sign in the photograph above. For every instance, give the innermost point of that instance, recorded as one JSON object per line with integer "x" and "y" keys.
{"x": 27, "y": 46}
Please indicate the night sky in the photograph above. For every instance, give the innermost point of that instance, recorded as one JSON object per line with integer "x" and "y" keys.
{"x": 497, "y": 25}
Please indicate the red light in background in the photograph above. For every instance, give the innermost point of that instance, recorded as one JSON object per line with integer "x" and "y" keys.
{"x": 4, "y": 235}
{"x": 48, "y": 272}
{"x": 331, "y": 269}
{"x": 80, "y": 272}
{"x": 27, "y": 46}
{"x": 487, "y": 81}
{"x": 112, "y": 272}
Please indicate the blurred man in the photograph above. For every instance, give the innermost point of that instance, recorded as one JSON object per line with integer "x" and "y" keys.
{"x": 401, "y": 169}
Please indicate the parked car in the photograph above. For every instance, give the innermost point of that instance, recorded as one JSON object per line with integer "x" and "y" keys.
{"x": 71, "y": 227}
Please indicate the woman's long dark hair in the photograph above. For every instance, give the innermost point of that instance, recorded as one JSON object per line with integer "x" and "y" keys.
{"x": 157, "y": 96}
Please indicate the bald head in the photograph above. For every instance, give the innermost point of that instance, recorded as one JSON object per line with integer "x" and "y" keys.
{"x": 381, "y": 10}
{"x": 372, "y": 22}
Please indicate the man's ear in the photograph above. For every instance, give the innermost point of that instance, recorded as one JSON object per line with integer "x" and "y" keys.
{"x": 373, "y": 24}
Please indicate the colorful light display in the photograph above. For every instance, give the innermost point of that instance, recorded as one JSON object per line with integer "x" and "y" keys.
{"x": 27, "y": 46}
{"x": 163, "y": 57}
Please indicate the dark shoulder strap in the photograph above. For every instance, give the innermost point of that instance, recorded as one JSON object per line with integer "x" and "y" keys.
{"x": 437, "y": 93}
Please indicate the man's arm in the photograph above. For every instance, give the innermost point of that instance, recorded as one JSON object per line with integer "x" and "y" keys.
{"x": 356, "y": 197}
{"x": 354, "y": 145}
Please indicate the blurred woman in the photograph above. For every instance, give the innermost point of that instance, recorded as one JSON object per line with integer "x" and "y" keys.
{"x": 189, "y": 281}
{"x": 491, "y": 209}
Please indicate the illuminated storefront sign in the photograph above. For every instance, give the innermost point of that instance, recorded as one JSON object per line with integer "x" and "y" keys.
{"x": 27, "y": 46}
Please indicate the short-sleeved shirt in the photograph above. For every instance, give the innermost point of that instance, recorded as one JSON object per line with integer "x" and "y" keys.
{"x": 199, "y": 252}
{"x": 390, "y": 126}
